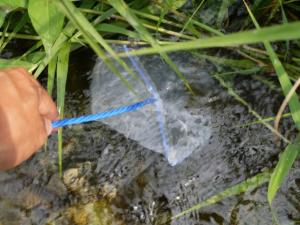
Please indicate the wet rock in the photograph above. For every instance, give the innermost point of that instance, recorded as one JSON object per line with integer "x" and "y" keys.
{"x": 69, "y": 146}
{"x": 5, "y": 176}
{"x": 77, "y": 216}
{"x": 72, "y": 180}
{"x": 39, "y": 216}
{"x": 109, "y": 191}
{"x": 27, "y": 198}
{"x": 93, "y": 213}
{"x": 101, "y": 213}
{"x": 12, "y": 216}
{"x": 10, "y": 187}
{"x": 77, "y": 182}
{"x": 56, "y": 186}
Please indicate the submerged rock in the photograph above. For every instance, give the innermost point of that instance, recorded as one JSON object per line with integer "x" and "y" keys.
{"x": 12, "y": 216}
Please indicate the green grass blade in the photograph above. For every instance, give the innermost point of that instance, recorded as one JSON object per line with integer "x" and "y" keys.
{"x": 164, "y": 9}
{"x": 167, "y": 6}
{"x": 47, "y": 21}
{"x": 223, "y": 12}
{"x": 58, "y": 44}
{"x": 36, "y": 46}
{"x": 16, "y": 29}
{"x": 156, "y": 18}
{"x": 282, "y": 168}
{"x": 233, "y": 63}
{"x": 294, "y": 6}
{"x": 268, "y": 119}
{"x": 286, "y": 84}
{"x": 125, "y": 11}
{"x": 283, "y": 77}
{"x": 165, "y": 31}
{"x": 188, "y": 22}
{"x": 5, "y": 29}
{"x": 244, "y": 186}
{"x": 103, "y": 16}
{"x": 64, "y": 36}
{"x": 274, "y": 10}
{"x": 2, "y": 16}
{"x": 7, "y": 63}
{"x": 288, "y": 31}
{"x": 32, "y": 57}
{"x": 51, "y": 75}
{"x": 93, "y": 38}
{"x": 285, "y": 21}
{"x": 20, "y": 36}
{"x": 200, "y": 25}
{"x": 114, "y": 29}
{"x": 13, "y": 4}
{"x": 35, "y": 57}
{"x": 151, "y": 26}
{"x": 62, "y": 73}
{"x": 251, "y": 15}
{"x": 293, "y": 149}
{"x": 233, "y": 93}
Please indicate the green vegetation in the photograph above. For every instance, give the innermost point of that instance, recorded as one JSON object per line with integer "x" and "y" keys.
{"x": 246, "y": 185}
{"x": 263, "y": 39}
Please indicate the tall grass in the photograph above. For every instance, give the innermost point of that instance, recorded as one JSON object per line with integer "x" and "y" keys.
{"x": 291, "y": 152}
{"x": 57, "y": 27}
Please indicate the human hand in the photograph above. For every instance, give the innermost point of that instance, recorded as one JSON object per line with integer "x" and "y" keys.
{"x": 26, "y": 112}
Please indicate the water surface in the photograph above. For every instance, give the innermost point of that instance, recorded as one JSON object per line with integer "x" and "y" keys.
{"x": 110, "y": 179}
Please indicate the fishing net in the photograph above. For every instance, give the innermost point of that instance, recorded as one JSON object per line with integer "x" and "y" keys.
{"x": 168, "y": 126}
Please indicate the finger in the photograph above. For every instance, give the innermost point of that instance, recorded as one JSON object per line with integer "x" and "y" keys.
{"x": 47, "y": 107}
{"x": 22, "y": 72}
{"x": 24, "y": 86}
{"x": 34, "y": 98}
{"x": 29, "y": 76}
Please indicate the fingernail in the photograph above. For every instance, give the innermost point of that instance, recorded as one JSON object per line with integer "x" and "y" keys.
{"x": 48, "y": 126}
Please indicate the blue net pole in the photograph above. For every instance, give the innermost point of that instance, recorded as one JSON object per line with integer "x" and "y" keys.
{"x": 102, "y": 115}
{"x": 158, "y": 104}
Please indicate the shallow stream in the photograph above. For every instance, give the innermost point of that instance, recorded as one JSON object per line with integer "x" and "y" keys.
{"x": 111, "y": 180}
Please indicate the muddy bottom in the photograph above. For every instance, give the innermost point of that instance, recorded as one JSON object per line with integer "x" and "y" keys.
{"x": 109, "y": 179}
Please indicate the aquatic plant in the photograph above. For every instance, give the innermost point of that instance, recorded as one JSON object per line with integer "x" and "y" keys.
{"x": 58, "y": 27}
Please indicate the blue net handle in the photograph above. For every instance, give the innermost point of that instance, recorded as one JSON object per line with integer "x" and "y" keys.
{"x": 102, "y": 115}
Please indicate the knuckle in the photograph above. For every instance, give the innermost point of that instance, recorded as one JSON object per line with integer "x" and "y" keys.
{"x": 20, "y": 70}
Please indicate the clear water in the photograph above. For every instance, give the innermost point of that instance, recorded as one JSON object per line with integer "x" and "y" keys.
{"x": 110, "y": 179}
{"x": 169, "y": 126}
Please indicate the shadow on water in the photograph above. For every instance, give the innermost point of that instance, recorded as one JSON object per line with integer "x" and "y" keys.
{"x": 109, "y": 179}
